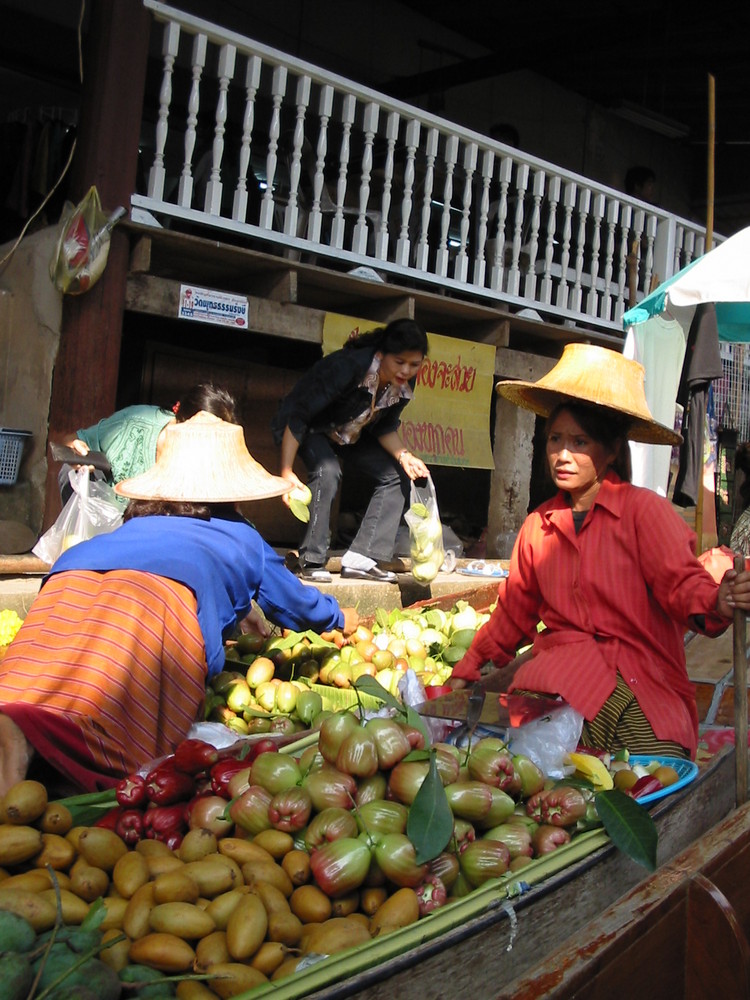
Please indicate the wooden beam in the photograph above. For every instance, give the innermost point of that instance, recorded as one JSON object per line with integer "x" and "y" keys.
{"x": 161, "y": 297}
{"x": 140, "y": 256}
{"x": 281, "y": 286}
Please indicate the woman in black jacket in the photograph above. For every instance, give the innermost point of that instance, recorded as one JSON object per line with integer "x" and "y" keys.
{"x": 344, "y": 414}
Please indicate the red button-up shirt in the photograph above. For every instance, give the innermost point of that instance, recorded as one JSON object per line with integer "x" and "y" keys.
{"x": 616, "y": 597}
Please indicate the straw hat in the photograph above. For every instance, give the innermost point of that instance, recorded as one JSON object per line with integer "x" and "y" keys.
{"x": 204, "y": 460}
{"x": 597, "y": 375}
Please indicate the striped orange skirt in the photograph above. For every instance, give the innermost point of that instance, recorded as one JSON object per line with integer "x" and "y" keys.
{"x": 107, "y": 672}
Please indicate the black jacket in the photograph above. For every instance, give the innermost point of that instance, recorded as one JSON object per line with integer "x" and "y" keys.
{"x": 329, "y": 395}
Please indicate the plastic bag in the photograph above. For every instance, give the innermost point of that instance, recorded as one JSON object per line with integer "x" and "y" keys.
{"x": 83, "y": 244}
{"x": 425, "y": 532}
{"x": 548, "y": 739}
{"x": 93, "y": 509}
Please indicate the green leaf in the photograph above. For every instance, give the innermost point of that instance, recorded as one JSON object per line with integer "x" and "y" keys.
{"x": 88, "y": 807}
{"x": 430, "y": 823}
{"x": 368, "y": 685}
{"x": 96, "y": 914}
{"x": 381, "y": 617}
{"x": 629, "y": 826}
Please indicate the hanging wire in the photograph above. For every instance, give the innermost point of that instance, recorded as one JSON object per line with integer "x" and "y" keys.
{"x": 4, "y": 260}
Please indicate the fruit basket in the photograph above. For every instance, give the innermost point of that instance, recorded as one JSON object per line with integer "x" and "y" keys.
{"x": 687, "y": 771}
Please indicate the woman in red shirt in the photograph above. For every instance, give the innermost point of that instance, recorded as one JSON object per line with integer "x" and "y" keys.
{"x": 608, "y": 567}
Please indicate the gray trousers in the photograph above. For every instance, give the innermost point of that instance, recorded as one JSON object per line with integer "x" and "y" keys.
{"x": 326, "y": 463}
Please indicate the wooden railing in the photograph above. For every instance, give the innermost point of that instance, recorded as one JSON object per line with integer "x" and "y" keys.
{"x": 249, "y": 140}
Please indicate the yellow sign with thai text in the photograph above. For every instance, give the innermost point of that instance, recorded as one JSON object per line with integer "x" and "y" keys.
{"x": 448, "y": 421}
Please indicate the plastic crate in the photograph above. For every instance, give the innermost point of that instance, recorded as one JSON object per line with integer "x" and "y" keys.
{"x": 11, "y": 449}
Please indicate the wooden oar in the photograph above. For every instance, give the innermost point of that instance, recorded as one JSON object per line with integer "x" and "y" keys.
{"x": 740, "y": 696}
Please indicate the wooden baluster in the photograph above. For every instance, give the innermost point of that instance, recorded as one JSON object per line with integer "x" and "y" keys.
{"x": 252, "y": 82}
{"x": 613, "y": 210}
{"x": 480, "y": 265}
{"x": 198, "y": 61}
{"x": 461, "y": 268}
{"x": 689, "y": 247}
{"x": 301, "y": 100}
{"x": 639, "y": 219}
{"x": 370, "y": 127}
{"x": 325, "y": 105}
{"x": 498, "y": 261}
{"x": 514, "y": 272}
{"x": 679, "y": 236}
{"x": 423, "y": 249}
{"x": 569, "y": 200}
{"x": 584, "y": 202}
{"x": 347, "y": 119}
{"x": 443, "y": 253}
{"x": 214, "y": 187}
{"x": 278, "y": 89}
{"x": 412, "y": 141}
{"x": 553, "y": 197}
{"x": 529, "y": 285}
{"x": 592, "y": 307}
{"x": 622, "y": 271}
{"x": 648, "y": 268}
{"x": 391, "y": 135}
{"x": 157, "y": 174}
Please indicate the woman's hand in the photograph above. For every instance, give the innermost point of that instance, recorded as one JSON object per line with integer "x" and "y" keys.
{"x": 456, "y": 683}
{"x": 413, "y": 467}
{"x": 255, "y": 622}
{"x": 295, "y": 482}
{"x": 351, "y": 620}
{"x": 80, "y": 447}
{"x": 734, "y": 593}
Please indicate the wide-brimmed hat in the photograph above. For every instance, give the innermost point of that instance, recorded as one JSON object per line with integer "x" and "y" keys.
{"x": 204, "y": 460}
{"x": 596, "y": 375}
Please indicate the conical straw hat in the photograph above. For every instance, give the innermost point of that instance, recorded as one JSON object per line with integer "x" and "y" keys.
{"x": 204, "y": 460}
{"x": 589, "y": 374}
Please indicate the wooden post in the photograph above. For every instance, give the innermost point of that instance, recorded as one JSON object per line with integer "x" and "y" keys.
{"x": 710, "y": 165}
{"x": 84, "y": 383}
{"x": 709, "y": 241}
{"x": 740, "y": 696}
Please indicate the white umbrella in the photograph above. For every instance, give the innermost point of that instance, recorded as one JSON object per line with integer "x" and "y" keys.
{"x": 721, "y": 276}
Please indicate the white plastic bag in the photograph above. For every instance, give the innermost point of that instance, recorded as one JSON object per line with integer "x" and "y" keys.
{"x": 548, "y": 739}
{"x": 93, "y": 509}
{"x": 425, "y": 532}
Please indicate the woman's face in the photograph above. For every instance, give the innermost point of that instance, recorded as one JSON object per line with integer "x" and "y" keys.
{"x": 577, "y": 462}
{"x": 400, "y": 368}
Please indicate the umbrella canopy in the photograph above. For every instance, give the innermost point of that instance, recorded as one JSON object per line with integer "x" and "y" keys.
{"x": 721, "y": 276}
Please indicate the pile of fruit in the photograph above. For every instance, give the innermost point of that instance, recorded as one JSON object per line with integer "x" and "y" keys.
{"x": 617, "y": 770}
{"x": 235, "y": 869}
{"x": 10, "y": 623}
{"x": 284, "y": 683}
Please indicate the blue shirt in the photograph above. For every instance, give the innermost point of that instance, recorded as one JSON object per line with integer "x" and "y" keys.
{"x": 226, "y": 564}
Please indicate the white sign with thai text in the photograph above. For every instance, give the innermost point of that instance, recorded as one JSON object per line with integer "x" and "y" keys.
{"x": 207, "y": 306}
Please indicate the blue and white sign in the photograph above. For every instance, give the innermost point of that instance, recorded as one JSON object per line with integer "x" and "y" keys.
{"x": 207, "y": 306}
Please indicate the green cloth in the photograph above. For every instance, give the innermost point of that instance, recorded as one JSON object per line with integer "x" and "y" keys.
{"x": 128, "y": 438}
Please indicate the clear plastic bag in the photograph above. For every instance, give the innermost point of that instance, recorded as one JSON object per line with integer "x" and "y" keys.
{"x": 93, "y": 509}
{"x": 548, "y": 739}
{"x": 425, "y": 532}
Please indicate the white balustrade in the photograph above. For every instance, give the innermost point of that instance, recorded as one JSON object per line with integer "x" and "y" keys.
{"x": 427, "y": 199}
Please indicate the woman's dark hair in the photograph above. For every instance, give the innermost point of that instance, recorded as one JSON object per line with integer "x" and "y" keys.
{"x": 209, "y": 397}
{"x": 400, "y": 335}
{"x": 166, "y": 508}
{"x": 181, "y": 508}
{"x": 604, "y": 426}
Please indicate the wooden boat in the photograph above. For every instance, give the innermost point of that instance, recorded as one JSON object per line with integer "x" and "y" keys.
{"x": 493, "y": 948}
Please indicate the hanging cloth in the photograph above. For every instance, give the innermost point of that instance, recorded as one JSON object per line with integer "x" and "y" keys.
{"x": 659, "y": 345}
